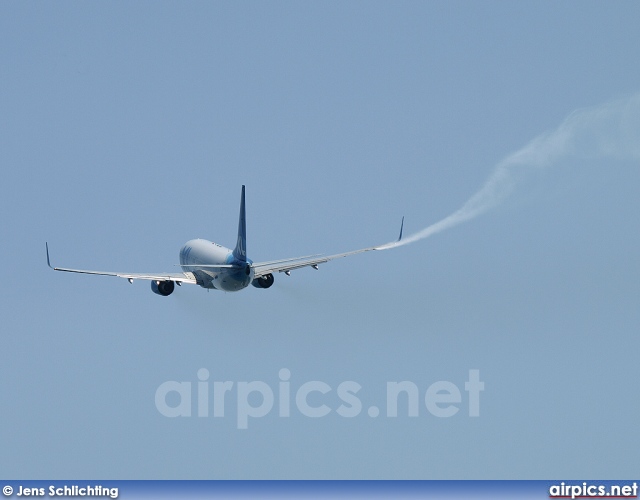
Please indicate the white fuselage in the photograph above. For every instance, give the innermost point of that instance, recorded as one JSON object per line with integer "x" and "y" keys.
{"x": 197, "y": 254}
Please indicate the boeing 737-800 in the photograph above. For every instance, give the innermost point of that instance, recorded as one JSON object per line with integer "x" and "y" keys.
{"x": 213, "y": 266}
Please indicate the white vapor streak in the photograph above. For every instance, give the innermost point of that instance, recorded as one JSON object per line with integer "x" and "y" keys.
{"x": 608, "y": 130}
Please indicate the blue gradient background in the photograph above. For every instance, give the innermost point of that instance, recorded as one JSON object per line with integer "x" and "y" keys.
{"x": 322, "y": 489}
{"x": 127, "y": 129}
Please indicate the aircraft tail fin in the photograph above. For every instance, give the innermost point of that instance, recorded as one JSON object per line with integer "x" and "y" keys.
{"x": 240, "y": 252}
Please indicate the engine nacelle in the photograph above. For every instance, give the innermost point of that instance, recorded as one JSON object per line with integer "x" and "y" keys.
{"x": 163, "y": 288}
{"x": 264, "y": 281}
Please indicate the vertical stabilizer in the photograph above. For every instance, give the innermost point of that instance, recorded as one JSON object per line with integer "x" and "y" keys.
{"x": 240, "y": 252}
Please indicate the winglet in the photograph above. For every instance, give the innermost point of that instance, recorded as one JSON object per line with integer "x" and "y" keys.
{"x": 401, "y": 227}
{"x": 48, "y": 261}
{"x": 240, "y": 252}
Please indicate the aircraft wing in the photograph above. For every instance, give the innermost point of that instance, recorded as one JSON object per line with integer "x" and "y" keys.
{"x": 178, "y": 277}
{"x": 288, "y": 265}
{"x": 262, "y": 269}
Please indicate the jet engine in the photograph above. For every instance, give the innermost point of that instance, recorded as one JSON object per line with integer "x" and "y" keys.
{"x": 163, "y": 288}
{"x": 263, "y": 281}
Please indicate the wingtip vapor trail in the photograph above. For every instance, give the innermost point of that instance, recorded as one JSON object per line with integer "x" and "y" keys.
{"x": 611, "y": 129}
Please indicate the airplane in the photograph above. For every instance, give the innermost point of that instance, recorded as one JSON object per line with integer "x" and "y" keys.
{"x": 215, "y": 267}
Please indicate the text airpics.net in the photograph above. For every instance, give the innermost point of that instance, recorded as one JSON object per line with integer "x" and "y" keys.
{"x": 257, "y": 399}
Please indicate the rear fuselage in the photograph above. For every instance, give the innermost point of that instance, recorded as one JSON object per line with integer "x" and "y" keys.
{"x": 197, "y": 254}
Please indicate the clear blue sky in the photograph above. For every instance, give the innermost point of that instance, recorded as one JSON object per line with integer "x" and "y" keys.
{"x": 127, "y": 128}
